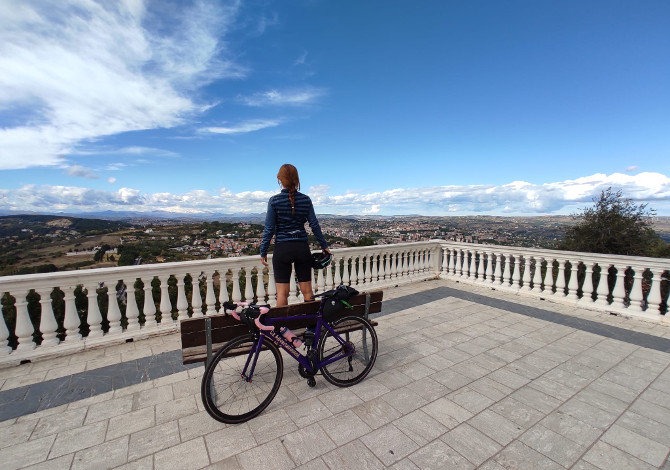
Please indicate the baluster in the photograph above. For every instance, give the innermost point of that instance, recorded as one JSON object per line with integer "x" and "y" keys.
{"x": 458, "y": 269}
{"x": 394, "y": 265}
{"x": 353, "y": 277}
{"x": 488, "y": 270}
{"x": 446, "y": 260}
{"x": 24, "y": 327}
{"x": 573, "y": 283}
{"x": 94, "y": 317}
{"x": 182, "y": 303}
{"x": 411, "y": 263}
{"x": 5, "y": 350}
{"x": 322, "y": 279}
{"x": 113, "y": 311}
{"x": 196, "y": 297}
{"x": 272, "y": 288}
{"x": 292, "y": 297}
{"x": 526, "y": 274}
{"x": 71, "y": 321}
{"x": 337, "y": 277}
{"x": 48, "y": 324}
{"x": 603, "y": 289}
{"x": 374, "y": 271}
{"x": 560, "y": 280}
{"x": 636, "y": 295}
{"x": 516, "y": 275}
{"x": 165, "y": 305}
{"x": 587, "y": 288}
{"x": 365, "y": 268}
{"x": 498, "y": 269}
{"x": 149, "y": 308}
{"x": 467, "y": 264}
{"x": 479, "y": 266}
{"x": 390, "y": 265}
{"x": 132, "y": 310}
{"x": 260, "y": 285}
{"x": 210, "y": 296}
{"x": 507, "y": 270}
{"x": 345, "y": 270}
{"x": 329, "y": 276}
{"x": 248, "y": 286}
{"x": 237, "y": 293}
{"x": 383, "y": 258}
{"x": 223, "y": 288}
{"x": 619, "y": 293}
{"x": 549, "y": 277}
{"x": 654, "y": 298}
{"x": 537, "y": 275}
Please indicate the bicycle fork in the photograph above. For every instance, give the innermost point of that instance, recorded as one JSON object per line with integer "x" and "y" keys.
{"x": 247, "y": 373}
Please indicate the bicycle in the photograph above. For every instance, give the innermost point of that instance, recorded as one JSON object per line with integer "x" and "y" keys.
{"x": 245, "y": 374}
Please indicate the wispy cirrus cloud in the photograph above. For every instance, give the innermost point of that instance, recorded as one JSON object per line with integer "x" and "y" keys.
{"x": 516, "y": 197}
{"x": 293, "y": 97}
{"x": 243, "y": 127}
{"x": 76, "y": 71}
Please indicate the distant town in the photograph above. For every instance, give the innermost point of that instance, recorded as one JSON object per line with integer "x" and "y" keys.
{"x": 43, "y": 243}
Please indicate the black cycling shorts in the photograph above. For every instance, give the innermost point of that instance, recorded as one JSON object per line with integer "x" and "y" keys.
{"x": 292, "y": 252}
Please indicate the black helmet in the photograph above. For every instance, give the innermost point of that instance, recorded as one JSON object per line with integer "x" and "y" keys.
{"x": 321, "y": 259}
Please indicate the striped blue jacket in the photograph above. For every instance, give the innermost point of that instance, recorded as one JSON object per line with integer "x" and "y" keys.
{"x": 285, "y": 226}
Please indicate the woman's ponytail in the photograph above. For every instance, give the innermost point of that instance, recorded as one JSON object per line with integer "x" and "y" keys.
{"x": 291, "y": 197}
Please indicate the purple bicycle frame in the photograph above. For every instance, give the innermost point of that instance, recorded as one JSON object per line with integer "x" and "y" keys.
{"x": 280, "y": 341}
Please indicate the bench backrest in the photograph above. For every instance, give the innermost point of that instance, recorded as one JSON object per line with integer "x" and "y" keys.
{"x": 223, "y": 328}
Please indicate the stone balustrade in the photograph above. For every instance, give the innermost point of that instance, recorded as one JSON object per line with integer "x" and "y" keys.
{"x": 60, "y": 313}
{"x": 634, "y": 286}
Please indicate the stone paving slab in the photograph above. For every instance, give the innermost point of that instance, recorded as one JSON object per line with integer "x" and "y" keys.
{"x": 465, "y": 378}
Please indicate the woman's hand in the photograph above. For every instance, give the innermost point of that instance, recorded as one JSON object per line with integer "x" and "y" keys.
{"x": 264, "y": 260}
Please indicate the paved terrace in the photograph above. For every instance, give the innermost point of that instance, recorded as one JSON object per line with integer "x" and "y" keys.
{"x": 465, "y": 378}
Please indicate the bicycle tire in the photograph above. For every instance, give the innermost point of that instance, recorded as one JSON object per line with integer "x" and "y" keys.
{"x": 349, "y": 370}
{"x": 227, "y": 396}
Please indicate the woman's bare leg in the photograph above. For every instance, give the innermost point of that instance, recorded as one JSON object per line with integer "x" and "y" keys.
{"x": 306, "y": 289}
{"x": 282, "y": 293}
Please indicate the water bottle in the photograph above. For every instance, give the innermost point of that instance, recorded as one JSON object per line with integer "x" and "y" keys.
{"x": 290, "y": 337}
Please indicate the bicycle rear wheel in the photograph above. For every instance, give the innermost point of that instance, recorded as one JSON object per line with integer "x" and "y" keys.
{"x": 228, "y": 397}
{"x": 361, "y": 341}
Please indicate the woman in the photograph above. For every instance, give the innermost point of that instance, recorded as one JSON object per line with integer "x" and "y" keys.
{"x": 285, "y": 220}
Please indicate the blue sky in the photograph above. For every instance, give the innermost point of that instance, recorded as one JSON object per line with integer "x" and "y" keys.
{"x": 386, "y": 107}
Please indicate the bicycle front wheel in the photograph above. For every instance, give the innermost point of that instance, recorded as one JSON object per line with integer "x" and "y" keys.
{"x": 231, "y": 398}
{"x": 356, "y": 342}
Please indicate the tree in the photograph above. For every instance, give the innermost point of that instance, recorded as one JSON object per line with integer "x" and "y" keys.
{"x": 615, "y": 225}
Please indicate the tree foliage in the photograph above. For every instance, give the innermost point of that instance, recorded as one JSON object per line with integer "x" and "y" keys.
{"x": 615, "y": 225}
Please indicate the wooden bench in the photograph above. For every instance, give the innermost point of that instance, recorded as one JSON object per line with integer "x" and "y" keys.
{"x": 201, "y": 337}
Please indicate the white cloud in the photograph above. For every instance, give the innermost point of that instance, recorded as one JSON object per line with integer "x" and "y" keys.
{"x": 243, "y": 127}
{"x": 374, "y": 209}
{"x": 283, "y": 98}
{"x": 631, "y": 169}
{"x": 111, "y": 180}
{"x": 79, "y": 70}
{"x": 81, "y": 171}
{"x": 517, "y": 197}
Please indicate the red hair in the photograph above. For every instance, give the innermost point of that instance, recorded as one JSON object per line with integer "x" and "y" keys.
{"x": 288, "y": 175}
